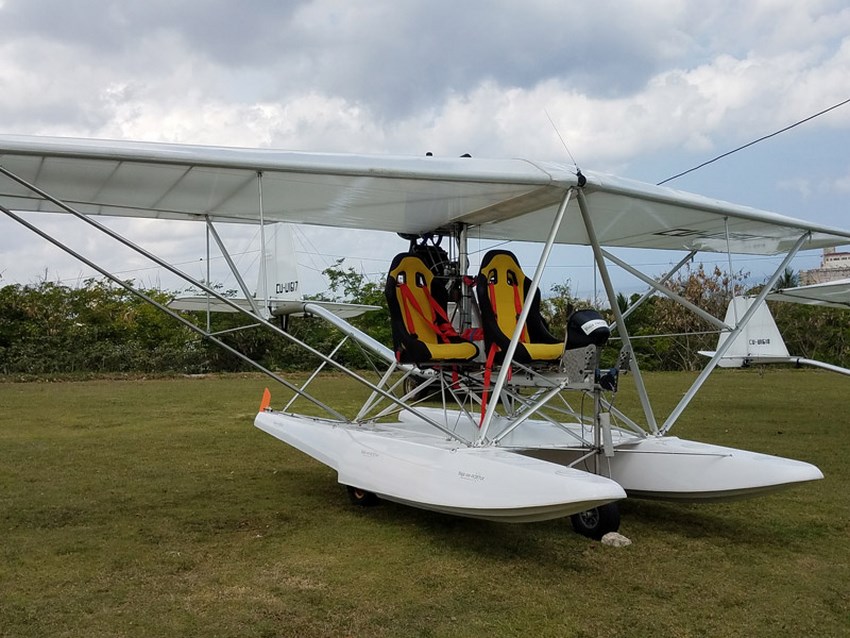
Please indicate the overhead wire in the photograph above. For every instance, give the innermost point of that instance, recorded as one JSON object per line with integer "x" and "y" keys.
{"x": 756, "y": 141}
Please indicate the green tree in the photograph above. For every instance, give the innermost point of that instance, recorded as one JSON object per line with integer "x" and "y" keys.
{"x": 689, "y": 333}
{"x": 349, "y": 286}
{"x": 814, "y": 332}
{"x": 49, "y": 328}
{"x": 788, "y": 279}
{"x": 557, "y": 307}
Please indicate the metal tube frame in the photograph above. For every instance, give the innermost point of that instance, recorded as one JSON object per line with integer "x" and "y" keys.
{"x": 618, "y": 316}
{"x": 249, "y": 326}
{"x": 263, "y": 292}
{"x": 463, "y": 268}
{"x": 209, "y": 305}
{"x": 669, "y": 293}
{"x": 529, "y": 407}
{"x": 395, "y": 408}
{"x": 315, "y": 373}
{"x": 520, "y": 324}
{"x": 646, "y": 295}
{"x": 230, "y": 264}
{"x": 721, "y": 350}
{"x": 529, "y": 412}
{"x": 367, "y": 405}
{"x": 169, "y": 312}
{"x": 176, "y": 271}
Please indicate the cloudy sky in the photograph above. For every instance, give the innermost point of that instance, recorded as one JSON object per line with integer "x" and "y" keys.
{"x": 642, "y": 89}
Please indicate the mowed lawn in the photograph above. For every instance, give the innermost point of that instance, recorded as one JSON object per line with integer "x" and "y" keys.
{"x": 155, "y": 508}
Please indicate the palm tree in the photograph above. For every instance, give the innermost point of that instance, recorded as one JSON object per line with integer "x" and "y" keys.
{"x": 788, "y": 279}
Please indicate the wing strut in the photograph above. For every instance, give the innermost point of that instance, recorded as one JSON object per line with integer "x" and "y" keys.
{"x": 669, "y": 293}
{"x": 632, "y": 307}
{"x": 722, "y": 348}
{"x": 170, "y": 312}
{"x": 618, "y": 316}
{"x": 520, "y": 324}
{"x": 247, "y": 293}
{"x": 263, "y": 288}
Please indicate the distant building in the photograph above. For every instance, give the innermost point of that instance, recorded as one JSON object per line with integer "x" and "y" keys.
{"x": 833, "y": 265}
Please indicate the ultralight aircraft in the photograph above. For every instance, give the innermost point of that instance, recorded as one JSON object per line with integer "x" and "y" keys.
{"x": 761, "y": 342}
{"x": 478, "y": 410}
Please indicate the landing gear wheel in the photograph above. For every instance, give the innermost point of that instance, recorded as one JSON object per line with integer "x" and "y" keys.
{"x": 597, "y": 522}
{"x": 410, "y": 384}
{"x": 362, "y": 497}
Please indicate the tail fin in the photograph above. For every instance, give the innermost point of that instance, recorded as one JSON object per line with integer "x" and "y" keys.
{"x": 278, "y": 279}
{"x": 760, "y": 339}
{"x": 278, "y": 286}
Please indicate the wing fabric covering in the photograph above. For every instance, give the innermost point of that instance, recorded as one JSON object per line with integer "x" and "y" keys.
{"x": 503, "y": 198}
{"x": 834, "y": 294}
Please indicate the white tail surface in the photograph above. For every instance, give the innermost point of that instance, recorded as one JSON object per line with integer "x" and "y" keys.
{"x": 278, "y": 285}
{"x": 759, "y": 340}
{"x": 278, "y": 278}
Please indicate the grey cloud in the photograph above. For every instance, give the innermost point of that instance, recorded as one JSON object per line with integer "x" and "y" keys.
{"x": 402, "y": 57}
{"x": 219, "y": 27}
{"x": 391, "y": 57}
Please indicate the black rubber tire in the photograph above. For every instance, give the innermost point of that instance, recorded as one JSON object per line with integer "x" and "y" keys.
{"x": 362, "y": 497}
{"x": 597, "y": 522}
{"x": 411, "y": 383}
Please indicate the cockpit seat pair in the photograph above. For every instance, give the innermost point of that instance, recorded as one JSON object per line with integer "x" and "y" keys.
{"x": 423, "y": 333}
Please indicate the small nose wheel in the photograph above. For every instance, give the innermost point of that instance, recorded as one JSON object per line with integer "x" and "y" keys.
{"x": 595, "y": 523}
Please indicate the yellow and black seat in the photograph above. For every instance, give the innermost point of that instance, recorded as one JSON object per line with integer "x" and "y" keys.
{"x": 502, "y": 290}
{"x": 422, "y": 331}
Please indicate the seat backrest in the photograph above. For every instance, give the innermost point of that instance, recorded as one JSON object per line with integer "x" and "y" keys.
{"x": 422, "y": 330}
{"x": 502, "y": 288}
{"x": 410, "y": 299}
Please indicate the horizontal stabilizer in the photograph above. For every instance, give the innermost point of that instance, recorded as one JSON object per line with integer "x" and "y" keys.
{"x": 759, "y": 342}
{"x": 341, "y": 310}
{"x": 276, "y": 308}
{"x": 202, "y": 304}
{"x": 726, "y": 361}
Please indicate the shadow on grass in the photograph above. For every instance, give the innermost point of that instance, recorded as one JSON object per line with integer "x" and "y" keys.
{"x": 740, "y": 523}
{"x": 772, "y": 522}
{"x": 546, "y": 542}
{"x": 743, "y": 524}
{"x": 322, "y": 501}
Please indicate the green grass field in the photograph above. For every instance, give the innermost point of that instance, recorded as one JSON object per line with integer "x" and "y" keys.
{"x": 155, "y": 508}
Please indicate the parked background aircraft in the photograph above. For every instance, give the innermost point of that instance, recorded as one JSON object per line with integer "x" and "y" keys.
{"x": 761, "y": 342}
{"x": 278, "y": 292}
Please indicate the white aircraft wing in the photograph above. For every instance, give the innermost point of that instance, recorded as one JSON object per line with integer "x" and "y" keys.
{"x": 503, "y": 198}
{"x": 835, "y": 294}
